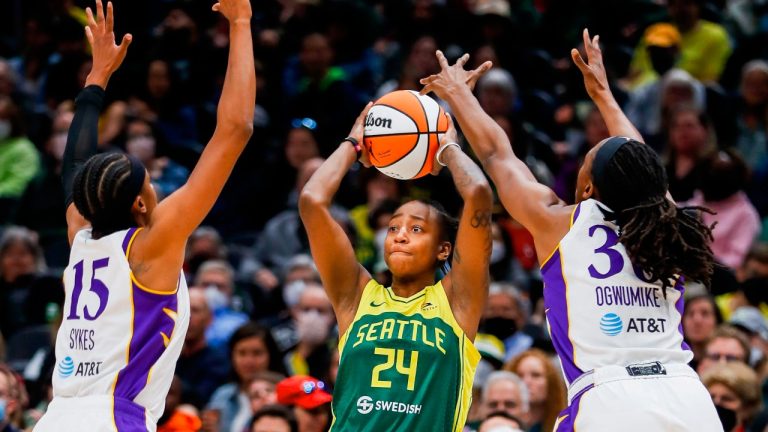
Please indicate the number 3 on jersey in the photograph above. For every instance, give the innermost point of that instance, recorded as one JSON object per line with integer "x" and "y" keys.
{"x": 96, "y": 286}
{"x": 395, "y": 356}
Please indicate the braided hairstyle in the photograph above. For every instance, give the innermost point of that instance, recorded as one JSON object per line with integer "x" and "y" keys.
{"x": 99, "y": 193}
{"x": 665, "y": 241}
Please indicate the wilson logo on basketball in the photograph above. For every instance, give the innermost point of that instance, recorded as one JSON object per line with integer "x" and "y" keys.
{"x": 378, "y": 122}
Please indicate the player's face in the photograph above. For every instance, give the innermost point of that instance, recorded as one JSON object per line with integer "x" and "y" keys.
{"x": 413, "y": 241}
{"x": 249, "y": 357}
{"x": 532, "y": 371}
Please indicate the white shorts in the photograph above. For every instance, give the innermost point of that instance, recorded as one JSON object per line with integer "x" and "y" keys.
{"x": 613, "y": 400}
{"x": 95, "y": 414}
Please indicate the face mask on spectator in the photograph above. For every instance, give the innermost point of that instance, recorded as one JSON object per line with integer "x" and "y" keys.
{"x": 312, "y": 327}
{"x": 292, "y": 291}
{"x": 500, "y": 327}
{"x": 5, "y": 129}
{"x": 216, "y": 299}
{"x": 58, "y": 144}
{"x": 498, "y": 250}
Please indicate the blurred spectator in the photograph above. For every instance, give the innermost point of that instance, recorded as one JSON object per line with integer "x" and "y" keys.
{"x": 704, "y": 47}
{"x": 700, "y": 319}
{"x": 421, "y": 62}
{"x": 378, "y": 188}
{"x": 749, "y": 320}
{"x": 501, "y": 421}
{"x": 262, "y": 391}
{"x": 251, "y": 350}
{"x": 545, "y": 386}
{"x": 27, "y": 296}
{"x": 217, "y": 278}
{"x": 19, "y": 160}
{"x": 572, "y": 152}
{"x": 755, "y": 264}
{"x": 200, "y": 367}
{"x": 752, "y": 138}
{"x": 313, "y": 321}
{"x": 10, "y": 400}
{"x": 723, "y": 178}
{"x": 691, "y": 141}
{"x": 497, "y": 92}
{"x": 176, "y": 418}
{"x": 506, "y": 313}
{"x": 505, "y": 391}
{"x": 310, "y": 401}
{"x": 727, "y": 346}
{"x": 204, "y": 244}
{"x": 274, "y": 418}
{"x": 734, "y": 387}
{"x": 165, "y": 174}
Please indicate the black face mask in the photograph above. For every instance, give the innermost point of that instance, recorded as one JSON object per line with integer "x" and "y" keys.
{"x": 500, "y": 327}
{"x": 727, "y": 417}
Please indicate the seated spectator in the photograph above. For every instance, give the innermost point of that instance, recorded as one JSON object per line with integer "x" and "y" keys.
{"x": 505, "y": 391}
{"x": 300, "y": 147}
{"x": 165, "y": 174}
{"x": 700, "y": 319}
{"x": 691, "y": 142}
{"x": 19, "y": 159}
{"x": 205, "y": 244}
{"x": 727, "y": 346}
{"x": 177, "y": 418}
{"x": 749, "y": 320}
{"x": 421, "y": 62}
{"x": 217, "y": 278}
{"x": 752, "y": 130}
{"x": 310, "y": 401}
{"x": 497, "y": 92}
{"x": 251, "y": 351}
{"x": 755, "y": 264}
{"x": 545, "y": 385}
{"x": 200, "y": 368}
{"x": 721, "y": 189}
{"x": 734, "y": 387}
{"x": 314, "y": 323}
{"x": 263, "y": 390}
{"x": 11, "y": 399}
{"x": 378, "y": 188}
{"x": 501, "y": 421}
{"x": 505, "y": 315}
{"x": 27, "y": 296}
{"x": 274, "y": 418}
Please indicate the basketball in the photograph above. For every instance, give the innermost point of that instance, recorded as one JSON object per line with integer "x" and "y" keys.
{"x": 402, "y": 134}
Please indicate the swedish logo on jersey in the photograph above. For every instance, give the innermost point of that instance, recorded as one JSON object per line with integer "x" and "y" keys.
{"x": 611, "y": 324}
{"x": 66, "y": 367}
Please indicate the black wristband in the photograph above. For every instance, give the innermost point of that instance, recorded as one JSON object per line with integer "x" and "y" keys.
{"x": 355, "y": 143}
{"x": 92, "y": 94}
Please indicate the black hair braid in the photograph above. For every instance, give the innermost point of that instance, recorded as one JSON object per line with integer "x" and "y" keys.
{"x": 665, "y": 241}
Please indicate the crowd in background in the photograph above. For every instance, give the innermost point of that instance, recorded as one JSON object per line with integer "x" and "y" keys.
{"x": 260, "y": 353}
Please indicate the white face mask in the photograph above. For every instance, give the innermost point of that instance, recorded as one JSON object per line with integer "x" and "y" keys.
{"x": 498, "y": 250}
{"x": 292, "y": 292}
{"x": 312, "y": 327}
{"x": 216, "y": 299}
{"x": 5, "y": 129}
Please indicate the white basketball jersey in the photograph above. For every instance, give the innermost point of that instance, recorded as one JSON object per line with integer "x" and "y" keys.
{"x": 600, "y": 310}
{"x": 117, "y": 338}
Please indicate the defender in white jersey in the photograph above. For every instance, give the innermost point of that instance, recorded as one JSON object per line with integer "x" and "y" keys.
{"x": 613, "y": 265}
{"x": 127, "y": 307}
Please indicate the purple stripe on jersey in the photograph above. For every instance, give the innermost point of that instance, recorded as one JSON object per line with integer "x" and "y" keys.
{"x": 127, "y": 239}
{"x": 576, "y": 213}
{"x": 680, "y": 306}
{"x": 556, "y": 306}
{"x": 147, "y": 344}
{"x": 568, "y": 424}
{"x": 129, "y": 417}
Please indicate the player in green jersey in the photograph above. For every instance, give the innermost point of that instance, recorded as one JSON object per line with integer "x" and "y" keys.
{"x": 406, "y": 354}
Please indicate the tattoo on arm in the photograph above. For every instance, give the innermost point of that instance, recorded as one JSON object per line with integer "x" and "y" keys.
{"x": 481, "y": 218}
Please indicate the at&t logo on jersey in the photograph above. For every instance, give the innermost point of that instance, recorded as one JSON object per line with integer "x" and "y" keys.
{"x": 66, "y": 367}
{"x": 611, "y": 324}
{"x": 366, "y": 404}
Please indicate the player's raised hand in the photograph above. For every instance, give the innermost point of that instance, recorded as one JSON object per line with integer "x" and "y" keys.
{"x": 452, "y": 77}
{"x": 593, "y": 70}
{"x": 234, "y": 10}
{"x": 358, "y": 133}
{"x": 107, "y": 55}
{"x": 450, "y": 136}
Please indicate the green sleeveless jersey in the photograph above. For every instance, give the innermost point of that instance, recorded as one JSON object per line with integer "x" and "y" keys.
{"x": 405, "y": 365}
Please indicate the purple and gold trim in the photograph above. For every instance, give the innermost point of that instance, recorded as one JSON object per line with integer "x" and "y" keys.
{"x": 566, "y": 420}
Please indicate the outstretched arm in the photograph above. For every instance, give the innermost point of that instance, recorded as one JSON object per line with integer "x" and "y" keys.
{"x": 178, "y": 215}
{"x": 596, "y": 83}
{"x": 343, "y": 277}
{"x": 82, "y": 139}
{"x": 467, "y": 282}
{"x": 529, "y": 202}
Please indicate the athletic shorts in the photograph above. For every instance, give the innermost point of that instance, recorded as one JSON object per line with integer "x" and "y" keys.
{"x": 613, "y": 400}
{"x": 95, "y": 414}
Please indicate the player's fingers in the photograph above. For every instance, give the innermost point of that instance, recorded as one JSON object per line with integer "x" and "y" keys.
{"x": 126, "y": 42}
{"x": 216, "y": 7}
{"x": 99, "y": 12}
{"x": 596, "y": 43}
{"x": 89, "y": 35}
{"x": 110, "y": 18}
{"x": 428, "y": 80}
{"x": 462, "y": 60}
{"x": 442, "y": 60}
{"x": 427, "y": 88}
{"x": 578, "y": 60}
{"x": 483, "y": 68}
{"x": 364, "y": 113}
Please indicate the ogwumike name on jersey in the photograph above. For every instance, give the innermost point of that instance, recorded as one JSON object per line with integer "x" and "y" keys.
{"x": 390, "y": 328}
{"x": 622, "y": 295}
